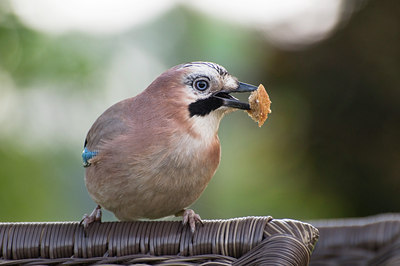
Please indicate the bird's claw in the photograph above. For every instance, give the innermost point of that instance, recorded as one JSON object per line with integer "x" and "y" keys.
{"x": 95, "y": 216}
{"x": 191, "y": 218}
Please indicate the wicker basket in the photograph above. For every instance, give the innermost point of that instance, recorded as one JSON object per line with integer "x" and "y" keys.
{"x": 373, "y": 240}
{"x": 240, "y": 241}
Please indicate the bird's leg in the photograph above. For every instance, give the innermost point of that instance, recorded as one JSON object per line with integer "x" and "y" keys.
{"x": 190, "y": 217}
{"x": 95, "y": 216}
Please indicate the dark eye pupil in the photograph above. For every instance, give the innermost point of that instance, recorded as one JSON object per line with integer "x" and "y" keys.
{"x": 201, "y": 85}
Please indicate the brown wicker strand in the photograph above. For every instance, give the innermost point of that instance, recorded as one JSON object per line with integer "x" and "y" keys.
{"x": 218, "y": 242}
{"x": 373, "y": 240}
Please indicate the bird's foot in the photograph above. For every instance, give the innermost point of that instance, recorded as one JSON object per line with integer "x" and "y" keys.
{"x": 95, "y": 216}
{"x": 191, "y": 218}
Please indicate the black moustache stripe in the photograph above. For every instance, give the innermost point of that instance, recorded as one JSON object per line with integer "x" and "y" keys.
{"x": 204, "y": 106}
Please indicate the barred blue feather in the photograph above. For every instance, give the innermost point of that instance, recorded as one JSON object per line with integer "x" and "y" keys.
{"x": 87, "y": 155}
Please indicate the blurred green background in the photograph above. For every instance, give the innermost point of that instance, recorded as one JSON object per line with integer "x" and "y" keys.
{"x": 329, "y": 149}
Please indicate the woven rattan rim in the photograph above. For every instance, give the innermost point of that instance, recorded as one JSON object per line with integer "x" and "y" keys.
{"x": 239, "y": 241}
{"x": 373, "y": 240}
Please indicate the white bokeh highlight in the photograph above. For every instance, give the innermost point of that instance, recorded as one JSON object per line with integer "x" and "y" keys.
{"x": 284, "y": 22}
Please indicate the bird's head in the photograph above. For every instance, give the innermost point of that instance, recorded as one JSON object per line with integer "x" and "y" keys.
{"x": 202, "y": 91}
{"x": 209, "y": 87}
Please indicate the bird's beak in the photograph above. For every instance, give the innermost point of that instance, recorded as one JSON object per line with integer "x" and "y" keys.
{"x": 230, "y": 101}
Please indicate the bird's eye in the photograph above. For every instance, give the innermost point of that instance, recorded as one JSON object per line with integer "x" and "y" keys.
{"x": 201, "y": 84}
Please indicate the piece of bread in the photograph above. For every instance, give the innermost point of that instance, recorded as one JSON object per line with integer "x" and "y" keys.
{"x": 260, "y": 105}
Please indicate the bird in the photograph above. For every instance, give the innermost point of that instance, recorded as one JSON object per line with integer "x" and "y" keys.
{"x": 152, "y": 155}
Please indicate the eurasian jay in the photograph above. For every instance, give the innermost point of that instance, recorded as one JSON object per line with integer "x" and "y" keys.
{"x": 153, "y": 155}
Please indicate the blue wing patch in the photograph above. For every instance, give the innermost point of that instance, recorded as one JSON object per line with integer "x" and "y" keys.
{"x": 87, "y": 155}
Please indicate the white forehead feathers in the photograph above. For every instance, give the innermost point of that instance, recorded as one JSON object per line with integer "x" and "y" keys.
{"x": 208, "y": 67}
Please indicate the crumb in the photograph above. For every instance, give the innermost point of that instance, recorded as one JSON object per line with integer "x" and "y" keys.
{"x": 260, "y": 105}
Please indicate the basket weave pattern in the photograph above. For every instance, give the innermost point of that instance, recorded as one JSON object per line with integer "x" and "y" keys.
{"x": 239, "y": 241}
{"x": 373, "y": 240}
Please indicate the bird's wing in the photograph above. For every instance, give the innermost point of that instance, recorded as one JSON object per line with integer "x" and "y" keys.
{"x": 111, "y": 124}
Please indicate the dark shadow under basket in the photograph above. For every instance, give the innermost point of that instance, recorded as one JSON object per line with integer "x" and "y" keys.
{"x": 240, "y": 241}
{"x": 373, "y": 240}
